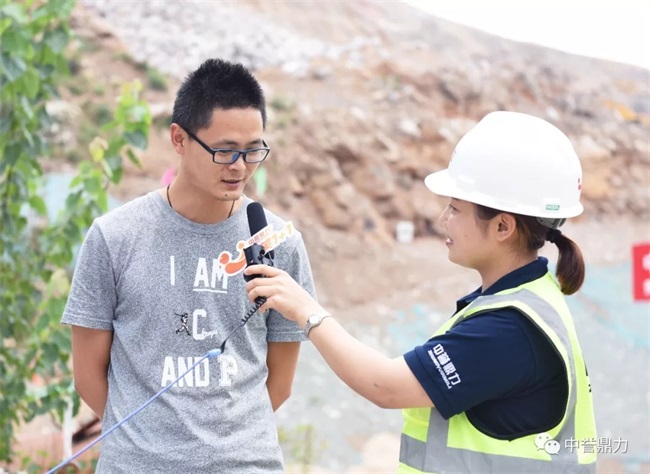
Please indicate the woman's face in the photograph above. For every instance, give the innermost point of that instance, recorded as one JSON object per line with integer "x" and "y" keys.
{"x": 468, "y": 242}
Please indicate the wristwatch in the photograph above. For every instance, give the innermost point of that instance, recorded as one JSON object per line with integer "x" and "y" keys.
{"x": 313, "y": 321}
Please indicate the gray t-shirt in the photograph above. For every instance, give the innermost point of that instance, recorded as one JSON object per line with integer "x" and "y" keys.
{"x": 170, "y": 290}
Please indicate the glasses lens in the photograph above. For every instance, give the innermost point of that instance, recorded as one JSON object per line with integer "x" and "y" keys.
{"x": 256, "y": 155}
{"x": 225, "y": 156}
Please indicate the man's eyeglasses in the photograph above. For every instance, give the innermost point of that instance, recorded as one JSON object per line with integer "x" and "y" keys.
{"x": 227, "y": 156}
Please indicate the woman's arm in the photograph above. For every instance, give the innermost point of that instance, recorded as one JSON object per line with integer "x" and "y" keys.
{"x": 388, "y": 383}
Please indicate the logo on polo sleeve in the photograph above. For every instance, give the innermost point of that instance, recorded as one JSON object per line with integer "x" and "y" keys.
{"x": 445, "y": 366}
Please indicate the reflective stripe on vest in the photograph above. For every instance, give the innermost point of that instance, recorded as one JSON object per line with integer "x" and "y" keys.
{"x": 431, "y": 444}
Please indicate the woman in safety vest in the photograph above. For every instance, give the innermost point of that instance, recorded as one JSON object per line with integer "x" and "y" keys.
{"x": 502, "y": 386}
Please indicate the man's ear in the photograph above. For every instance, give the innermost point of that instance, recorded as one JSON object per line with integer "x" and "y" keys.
{"x": 178, "y": 138}
{"x": 506, "y": 226}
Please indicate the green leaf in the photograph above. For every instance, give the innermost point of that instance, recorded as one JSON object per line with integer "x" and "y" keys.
{"x": 116, "y": 175}
{"x": 114, "y": 162}
{"x": 71, "y": 232}
{"x": 4, "y": 24}
{"x": 139, "y": 113}
{"x": 260, "y": 178}
{"x": 38, "y": 204}
{"x": 12, "y": 67}
{"x": 76, "y": 181}
{"x": 92, "y": 185}
{"x": 50, "y": 353}
{"x": 16, "y": 11}
{"x": 42, "y": 12}
{"x": 84, "y": 168}
{"x": 15, "y": 42}
{"x": 102, "y": 202}
{"x": 30, "y": 83}
{"x": 137, "y": 139}
{"x": 61, "y": 8}
{"x": 133, "y": 158}
{"x": 27, "y": 107}
{"x": 11, "y": 154}
{"x": 5, "y": 124}
{"x": 48, "y": 57}
{"x": 45, "y": 71}
{"x": 72, "y": 200}
{"x": 26, "y": 133}
{"x": 57, "y": 39}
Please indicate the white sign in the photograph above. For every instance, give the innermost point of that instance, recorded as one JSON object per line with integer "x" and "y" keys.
{"x": 405, "y": 231}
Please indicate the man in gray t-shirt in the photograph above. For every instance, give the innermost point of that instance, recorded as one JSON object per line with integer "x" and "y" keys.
{"x": 158, "y": 283}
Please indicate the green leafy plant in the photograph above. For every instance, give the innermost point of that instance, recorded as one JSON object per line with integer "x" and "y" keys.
{"x": 281, "y": 103}
{"x": 36, "y": 252}
{"x": 300, "y": 446}
{"x": 156, "y": 79}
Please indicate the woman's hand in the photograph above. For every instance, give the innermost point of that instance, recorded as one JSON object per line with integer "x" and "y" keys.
{"x": 282, "y": 293}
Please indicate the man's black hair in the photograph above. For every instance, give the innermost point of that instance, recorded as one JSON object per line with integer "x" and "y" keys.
{"x": 216, "y": 84}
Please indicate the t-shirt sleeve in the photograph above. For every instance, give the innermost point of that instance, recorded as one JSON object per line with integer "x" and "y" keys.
{"x": 298, "y": 267}
{"x": 93, "y": 296}
{"x": 482, "y": 358}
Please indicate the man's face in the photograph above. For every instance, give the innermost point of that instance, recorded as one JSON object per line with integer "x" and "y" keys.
{"x": 239, "y": 129}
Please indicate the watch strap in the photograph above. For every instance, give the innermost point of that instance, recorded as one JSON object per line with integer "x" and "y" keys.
{"x": 309, "y": 326}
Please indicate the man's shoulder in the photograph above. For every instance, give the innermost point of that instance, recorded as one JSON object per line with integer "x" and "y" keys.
{"x": 129, "y": 217}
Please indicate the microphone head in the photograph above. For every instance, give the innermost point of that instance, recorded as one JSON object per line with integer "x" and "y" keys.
{"x": 256, "y": 217}
{"x": 257, "y": 222}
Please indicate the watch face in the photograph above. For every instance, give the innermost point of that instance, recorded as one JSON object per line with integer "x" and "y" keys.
{"x": 313, "y": 319}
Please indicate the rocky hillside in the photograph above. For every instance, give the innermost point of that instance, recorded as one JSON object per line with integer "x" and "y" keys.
{"x": 366, "y": 99}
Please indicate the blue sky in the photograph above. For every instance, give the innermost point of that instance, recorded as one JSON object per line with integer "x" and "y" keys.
{"x": 618, "y": 30}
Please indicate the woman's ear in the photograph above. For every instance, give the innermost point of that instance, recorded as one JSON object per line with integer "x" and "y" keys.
{"x": 506, "y": 226}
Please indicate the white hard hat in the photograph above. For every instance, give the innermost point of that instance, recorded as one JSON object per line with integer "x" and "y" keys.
{"x": 516, "y": 163}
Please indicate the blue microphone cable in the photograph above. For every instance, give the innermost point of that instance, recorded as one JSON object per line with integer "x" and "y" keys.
{"x": 210, "y": 355}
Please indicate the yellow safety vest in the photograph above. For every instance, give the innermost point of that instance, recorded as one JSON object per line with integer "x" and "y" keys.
{"x": 433, "y": 445}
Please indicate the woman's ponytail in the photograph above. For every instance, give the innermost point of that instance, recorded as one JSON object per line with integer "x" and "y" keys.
{"x": 570, "y": 264}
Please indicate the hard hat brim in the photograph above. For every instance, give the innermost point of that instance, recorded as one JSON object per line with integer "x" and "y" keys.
{"x": 442, "y": 184}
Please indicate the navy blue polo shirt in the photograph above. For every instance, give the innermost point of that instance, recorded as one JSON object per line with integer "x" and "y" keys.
{"x": 505, "y": 374}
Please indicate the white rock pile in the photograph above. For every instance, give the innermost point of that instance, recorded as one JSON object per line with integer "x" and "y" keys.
{"x": 176, "y": 36}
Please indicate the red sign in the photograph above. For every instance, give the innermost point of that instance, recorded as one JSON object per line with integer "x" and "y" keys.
{"x": 641, "y": 271}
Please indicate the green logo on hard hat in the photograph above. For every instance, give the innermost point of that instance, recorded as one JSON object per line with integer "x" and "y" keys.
{"x": 552, "y": 207}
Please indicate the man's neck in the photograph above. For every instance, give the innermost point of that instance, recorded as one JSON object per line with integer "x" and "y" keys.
{"x": 196, "y": 206}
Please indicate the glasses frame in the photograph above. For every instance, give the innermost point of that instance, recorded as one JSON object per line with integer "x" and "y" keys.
{"x": 235, "y": 153}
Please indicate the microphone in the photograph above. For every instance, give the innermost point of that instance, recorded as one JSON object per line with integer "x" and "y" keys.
{"x": 255, "y": 254}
